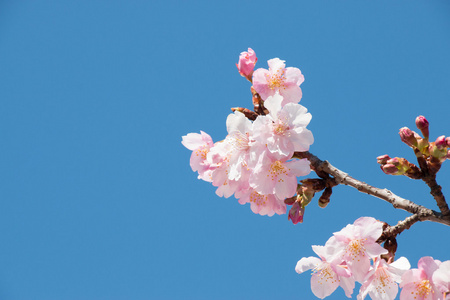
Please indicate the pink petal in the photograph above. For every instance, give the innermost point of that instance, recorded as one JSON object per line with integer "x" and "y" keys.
{"x": 441, "y": 277}
{"x": 347, "y": 284}
{"x": 294, "y": 76}
{"x": 324, "y": 283}
{"x": 291, "y": 94}
{"x": 276, "y": 63}
{"x": 307, "y": 263}
{"x": 429, "y": 265}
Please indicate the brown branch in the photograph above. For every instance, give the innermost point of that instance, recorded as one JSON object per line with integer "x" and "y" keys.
{"x": 423, "y": 213}
{"x": 393, "y": 231}
{"x": 436, "y": 192}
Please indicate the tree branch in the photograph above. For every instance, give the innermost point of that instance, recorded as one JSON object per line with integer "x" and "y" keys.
{"x": 423, "y": 213}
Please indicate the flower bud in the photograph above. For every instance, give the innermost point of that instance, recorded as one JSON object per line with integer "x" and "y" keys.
{"x": 325, "y": 197}
{"x": 448, "y": 141}
{"x": 391, "y": 246}
{"x": 382, "y": 159}
{"x": 296, "y": 213}
{"x": 407, "y": 136}
{"x": 394, "y": 161}
{"x": 422, "y": 124}
{"x": 438, "y": 151}
{"x": 389, "y": 169}
{"x": 441, "y": 142}
{"x": 246, "y": 64}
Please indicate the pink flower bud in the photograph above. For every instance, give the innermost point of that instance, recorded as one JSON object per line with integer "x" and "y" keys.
{"x": 296, "y": 213}
{"x": 448, "y": 141}
{"x": 389, "y": 169}
{"x": 246, "y": 64}
{"x": 408, "y": 137}
{"x": 393, "y": 161}
{"x": 422, "y": 124}
{"x": 382, "y": 159}
{"x": 441, "y": 142}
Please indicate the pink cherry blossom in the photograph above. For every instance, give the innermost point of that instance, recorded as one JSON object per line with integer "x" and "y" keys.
{"x": 284, "y": 128}
{"x": 200, "y": 144}
{"x": 261, "y": 204}
{"x": 277, "y": 175}
{"x": 219, "y": 160}
{"x": 418, "y": 283}
{"x": 328, "y": 273}
{"x": 357, "y": 245}
{"x": 246, "y": 64}
{"x": 441, "y": 277}
{"x": 240, "y": 140}
{"x": 280, "y": 79}
{"x": 381, "y": 281}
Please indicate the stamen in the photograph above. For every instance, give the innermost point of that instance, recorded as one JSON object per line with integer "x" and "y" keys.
{"x": 257, "y": 198}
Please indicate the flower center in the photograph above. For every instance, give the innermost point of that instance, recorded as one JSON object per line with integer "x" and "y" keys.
{"x": 240, "y": 141}
{"x": 325, "y": 273}
{"x": 257, "y": 198}
{"x": 356, "y": 248}
{"x": 202, "y": 152}
{"x": 423, "y": 288}
{"x": 383, "y": 280}
{"x": 276, "y": 80}
{"x": 280, "y": 128}
{"x": 277, "y": 168}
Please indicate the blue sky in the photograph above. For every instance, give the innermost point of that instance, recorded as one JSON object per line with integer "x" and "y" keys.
{"x": 97, "y": 199}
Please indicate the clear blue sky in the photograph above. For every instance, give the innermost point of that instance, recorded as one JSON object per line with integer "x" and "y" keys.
{"x": 97, "y": 199}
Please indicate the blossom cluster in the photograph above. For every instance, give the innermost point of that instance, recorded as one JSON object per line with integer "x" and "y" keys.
{"x": 255, "y": 160}
{"x": 353, "y": 255}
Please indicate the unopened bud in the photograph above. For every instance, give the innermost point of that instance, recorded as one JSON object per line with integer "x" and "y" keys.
{"x": 325, "y": 197}
{"x": 306, "y": 195}
{"x": 382, "y": 159}
{"x": 407, "y": 136}
{"x": 389, "y": 169}
{"x": 448, "y": 141}
{"x": 422, "y": 124}
{"x": 438, "y": 151}
{"x": 246, "y": 64}
{"x": 393, "y": 161}
{"x": 296, "y": 213}
{"x": 441, "y": 142}
{"x": 391, "y": 246}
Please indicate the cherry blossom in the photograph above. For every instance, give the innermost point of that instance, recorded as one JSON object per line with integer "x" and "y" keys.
{"x": 277, "y": 175}
{"x": 239, "y": 140}
{"x": 357, "y": 245}
{"x": 280, "y": 79}
{"x": 200, "y": 144}
{"x": 441, "y": 277}
{"x": 260, "y": 203}
{"x": 418, "y": 283}
{"x": 284, "y": 129}
{"x": 246, "y": 64}
{"x": 328, "y": 271}
{"x": 381, "y": 281}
